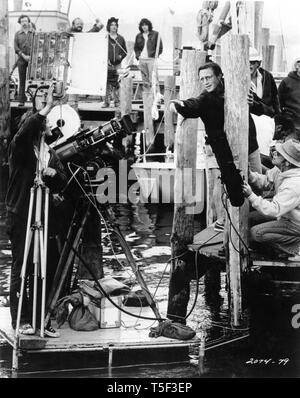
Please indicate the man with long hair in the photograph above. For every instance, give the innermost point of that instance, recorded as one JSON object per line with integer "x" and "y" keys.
{"x": 147, "y": 47}
{"x": 117, "y": 51}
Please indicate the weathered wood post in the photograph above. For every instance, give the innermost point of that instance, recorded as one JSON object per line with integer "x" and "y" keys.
{"x": 169, "y": 94}
{"x": 177, "y": 43}
{"x": 270, "y": 57}
{"x": 186, "y": 156}
{"x": 258, "y": 15}
{"x": 4, "y": 97}
{"x": 148, "y": 122}
{"x": 264, "y": 46}
{"x": 126, "y": 88}
{"x": 235, "y": 65}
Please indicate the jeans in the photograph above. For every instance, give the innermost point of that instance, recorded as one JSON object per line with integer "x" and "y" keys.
{"x": 22, "y": 68}
{"x": 277, "y": 234}
{"x": 147, "y": 66}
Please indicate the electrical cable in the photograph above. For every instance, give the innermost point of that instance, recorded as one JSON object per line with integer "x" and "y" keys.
{"x": 104, "y": 292}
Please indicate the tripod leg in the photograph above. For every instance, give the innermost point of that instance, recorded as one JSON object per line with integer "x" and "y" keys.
{"x": 74, "y": 245}
{"x": 36, "y": 252}
{"x": 44, "y": 246}
{"x": 62, "y": 260}
{"x": 28, "y": 239}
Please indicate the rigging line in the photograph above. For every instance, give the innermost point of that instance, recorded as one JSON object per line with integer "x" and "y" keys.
{"x": 91, "y": 11}
{"x": 99, "y": 213}
{"x": 157, "y": 130}
{"x": 282, "y": 36}
{"x": 39, "y": 14}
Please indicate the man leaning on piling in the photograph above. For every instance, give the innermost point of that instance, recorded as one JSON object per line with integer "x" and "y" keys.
{"x": 209, "y": 106}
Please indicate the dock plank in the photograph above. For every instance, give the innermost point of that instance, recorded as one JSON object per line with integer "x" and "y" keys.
{"x": 100, "y": 339}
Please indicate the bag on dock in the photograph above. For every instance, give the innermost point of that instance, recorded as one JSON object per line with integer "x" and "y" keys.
{"x": 173, "y": 330}
{"x": 81, "y": 319}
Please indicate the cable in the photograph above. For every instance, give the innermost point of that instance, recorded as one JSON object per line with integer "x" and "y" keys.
{"x": 233, "y": 226}
{"x": 104, "y": 292}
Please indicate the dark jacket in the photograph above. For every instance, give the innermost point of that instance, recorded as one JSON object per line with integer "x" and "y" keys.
{"x": 22, "y": 166}
{"x": 289, "y": 96}
{"x": 117, "y": 50}
{"x": 210, "y": 108}
{"x": 23, "y": 42}
{"x": 269, "y": 103}
{"x": 151, "y": 44}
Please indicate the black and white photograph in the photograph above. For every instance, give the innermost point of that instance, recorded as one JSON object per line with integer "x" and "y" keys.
{"x": 149, "y": 192}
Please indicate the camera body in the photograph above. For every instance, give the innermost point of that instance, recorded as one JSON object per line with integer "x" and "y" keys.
{"x": 87, "y": 143}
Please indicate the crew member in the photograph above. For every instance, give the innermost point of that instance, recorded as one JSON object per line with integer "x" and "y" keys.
{"x": 116, "y": 53}
{"x": 23, "y": 43}
{"x": 23, "y": 155}
{"x": 277, "y": 226}
{"x": 147, "y": 47}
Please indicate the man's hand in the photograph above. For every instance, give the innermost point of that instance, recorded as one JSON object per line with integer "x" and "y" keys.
{"x": 250, "y": 98}
{"x": 49, "y": 172}
{"x": 26, "y": 57}
{"x": 247, "y": 191}
{"x": 172, "y": 105}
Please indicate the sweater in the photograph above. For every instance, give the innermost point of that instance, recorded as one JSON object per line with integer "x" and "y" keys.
{"x": 289, "y": 96}
{"x": 22, "y": 165}
{"x": 286, "y": 201}
{"x": 209, "y": 106}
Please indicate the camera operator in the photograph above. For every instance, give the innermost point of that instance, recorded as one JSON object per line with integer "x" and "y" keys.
{"x": 23, "y": 156}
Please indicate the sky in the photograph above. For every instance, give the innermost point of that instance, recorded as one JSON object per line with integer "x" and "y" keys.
{"x": 282, "y": 17}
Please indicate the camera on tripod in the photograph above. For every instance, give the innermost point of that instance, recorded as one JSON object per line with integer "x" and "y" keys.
{"x": 88, "y": 142}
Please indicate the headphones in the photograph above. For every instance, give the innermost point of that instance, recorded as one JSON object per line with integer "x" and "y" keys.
{"x": 23, "y": 16}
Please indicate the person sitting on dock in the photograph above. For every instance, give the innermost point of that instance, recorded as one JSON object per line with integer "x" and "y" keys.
{"x": 276, "y": 224}
{"x": 22, "y": 159}
{"x": 117, "y": 51}
{"x": 147, "y": 47}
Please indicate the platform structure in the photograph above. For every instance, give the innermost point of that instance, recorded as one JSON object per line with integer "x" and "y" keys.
{"x": 285, "y": 274}
{"x": 108, "y": 340}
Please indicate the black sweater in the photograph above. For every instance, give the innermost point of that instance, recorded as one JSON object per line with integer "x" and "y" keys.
{"x": 210, "y": 108}
{"x": 22, "y": 166}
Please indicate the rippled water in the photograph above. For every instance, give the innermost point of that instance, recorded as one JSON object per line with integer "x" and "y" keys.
{"x": 147, "y": 228}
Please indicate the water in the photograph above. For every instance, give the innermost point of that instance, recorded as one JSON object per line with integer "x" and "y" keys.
{"x": 147, "y": 228}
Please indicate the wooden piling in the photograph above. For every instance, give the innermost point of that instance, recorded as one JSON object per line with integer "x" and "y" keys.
{"x": 177, "y": 43}
{"x": 126, "y": 89}
{"x": 4, "y": 97}
{"x": 265, "y": 39}
{"x": 186, "y": 156}
{"x": 169, "y": 94}
{"x": 148, "y": 122}
{"x": 270, "y": 57}
{"x": 186, "y": 152}
{"x": 258, "y": 16}
{"x": 235, "y": 67}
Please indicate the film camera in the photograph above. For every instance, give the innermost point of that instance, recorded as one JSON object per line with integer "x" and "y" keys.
{"x": 87, "y": 143}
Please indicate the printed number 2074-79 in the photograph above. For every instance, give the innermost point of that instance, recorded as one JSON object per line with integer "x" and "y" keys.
{"x": 280, "y": 361}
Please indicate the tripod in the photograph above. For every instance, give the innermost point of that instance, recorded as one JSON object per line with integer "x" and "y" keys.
{"x": 38, "y": 233}
{"x": 68, "y": 254}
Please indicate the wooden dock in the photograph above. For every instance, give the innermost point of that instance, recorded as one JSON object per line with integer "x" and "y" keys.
{"x": 127, "y": 337}
{"x": 285, "y": 274}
